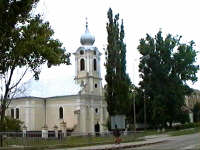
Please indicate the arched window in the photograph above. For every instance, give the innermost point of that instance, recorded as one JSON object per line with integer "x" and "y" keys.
{"x": 95, "y": 85}
{"x": 12, "y": 113}
{"x": 17, "y": 113}
{"x": 82, "y": 65}
{"x": 96, "y": 110}
{"x": 95, "y": 64}
{"x": 61, "y": 113}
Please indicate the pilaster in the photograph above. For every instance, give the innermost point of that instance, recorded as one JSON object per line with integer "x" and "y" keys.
{"x": 82, "y": 118}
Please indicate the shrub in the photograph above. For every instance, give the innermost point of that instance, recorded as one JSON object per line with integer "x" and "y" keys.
{"x": 12, "y": 124}
{"x": 187, "y": 125}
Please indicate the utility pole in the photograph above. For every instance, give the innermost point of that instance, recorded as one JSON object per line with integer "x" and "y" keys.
{"x": 145, "y": 117}
{"x": 134, "y": 112}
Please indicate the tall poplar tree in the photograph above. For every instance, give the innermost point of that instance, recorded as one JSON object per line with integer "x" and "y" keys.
{"x": 118, "y": 82}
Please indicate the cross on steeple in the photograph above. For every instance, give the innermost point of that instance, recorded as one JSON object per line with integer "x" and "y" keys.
{"x": 86, "y": 22}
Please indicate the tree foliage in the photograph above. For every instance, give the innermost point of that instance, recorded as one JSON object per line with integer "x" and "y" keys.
{"x": 118, "y": 82}
{"x": 26, "y": 43}
{"x": 165, "y": 67}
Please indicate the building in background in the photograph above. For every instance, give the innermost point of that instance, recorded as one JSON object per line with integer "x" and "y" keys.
{"x": 193, "y": 99}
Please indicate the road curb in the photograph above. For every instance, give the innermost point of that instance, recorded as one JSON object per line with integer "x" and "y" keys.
{"x": 128, "y": 146}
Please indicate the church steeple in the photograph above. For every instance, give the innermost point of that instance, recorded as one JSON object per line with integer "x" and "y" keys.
{"x": 87, "y": 38}
{"x": 87, "y": 60}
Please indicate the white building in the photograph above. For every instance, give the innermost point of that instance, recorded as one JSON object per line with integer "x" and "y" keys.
{"x": 82, "y": 112}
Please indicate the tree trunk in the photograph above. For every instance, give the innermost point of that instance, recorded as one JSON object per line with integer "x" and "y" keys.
{"x": 3, "y": 109}
{"x": 1, "y": 140}
{"x": 170, "y": 124}
{"x": 2, "y": 125}
{"x": 2, "y": 128}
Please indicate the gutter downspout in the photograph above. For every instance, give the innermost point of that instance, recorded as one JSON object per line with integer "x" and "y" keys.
{"x": 45, "y": 111}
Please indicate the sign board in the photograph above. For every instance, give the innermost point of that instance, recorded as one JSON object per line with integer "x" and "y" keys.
{"x": 118, "y": 121}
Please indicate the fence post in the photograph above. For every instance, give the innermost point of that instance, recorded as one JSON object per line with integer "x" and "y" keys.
{"x": 63, "y": 127}
{"x": 56, "y": 131}
{"x": 45, "y": 132}
{"x": 24, "y": 130}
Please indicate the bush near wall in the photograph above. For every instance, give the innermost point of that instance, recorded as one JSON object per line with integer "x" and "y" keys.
{"x": 187, "y": 125}
{"x": 12, "y": 125}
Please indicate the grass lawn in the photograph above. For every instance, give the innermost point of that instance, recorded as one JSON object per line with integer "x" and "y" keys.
{"x": 70, "y": 141}
{"x": 184, "y": 132}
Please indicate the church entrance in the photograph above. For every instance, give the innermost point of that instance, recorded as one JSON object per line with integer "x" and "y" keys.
{"x": 97, "y": 129}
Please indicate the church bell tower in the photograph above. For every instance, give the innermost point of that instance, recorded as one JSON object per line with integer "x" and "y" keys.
{"x": 87, "y": 65}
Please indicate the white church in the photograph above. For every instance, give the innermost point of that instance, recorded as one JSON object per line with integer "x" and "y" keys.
{"x": 85, "y": 111}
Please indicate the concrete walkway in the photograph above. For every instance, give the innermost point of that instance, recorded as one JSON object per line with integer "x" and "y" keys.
{"x": 148, "y": 141}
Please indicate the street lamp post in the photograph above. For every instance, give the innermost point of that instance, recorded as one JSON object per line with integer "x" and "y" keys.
{"x": 134, "y": 110}
{"x": 145, "y": 117}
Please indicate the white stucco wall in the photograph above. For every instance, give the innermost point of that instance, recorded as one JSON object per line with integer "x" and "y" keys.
{"x": 69, "y": 104}
{"x": 30, "y": 111}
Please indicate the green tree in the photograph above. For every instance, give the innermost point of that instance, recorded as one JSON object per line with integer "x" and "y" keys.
{"x": 118, "y": 82}
{"x": 25, "y": 44}
{"x": 165, "y": 67}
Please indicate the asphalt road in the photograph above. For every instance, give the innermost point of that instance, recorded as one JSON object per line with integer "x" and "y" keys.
{"x": 191, "y": 141}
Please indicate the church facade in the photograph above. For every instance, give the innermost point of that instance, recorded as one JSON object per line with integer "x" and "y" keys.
{"x": 86, "y": 111}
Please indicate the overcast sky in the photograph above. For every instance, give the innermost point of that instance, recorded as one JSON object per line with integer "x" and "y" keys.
{"x": 67, "y": 18}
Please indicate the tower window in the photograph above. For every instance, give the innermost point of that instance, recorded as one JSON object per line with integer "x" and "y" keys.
{"x": 82, "y": 64}
{"x": 96, "y": 110}
{"x": 95, "y": 52}
{"x": 81, "y": 52}
{"x": 17, "y": 113}
{"x": 95, "y": 64}
{"x": 12, "y": 113}
{"x": 60, "y": 113}
{"x": 95, "y": 85}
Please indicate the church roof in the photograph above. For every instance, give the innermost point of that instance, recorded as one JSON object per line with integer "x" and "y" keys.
{"x": 88, "y": 47}
{"x": 52, "y": 84}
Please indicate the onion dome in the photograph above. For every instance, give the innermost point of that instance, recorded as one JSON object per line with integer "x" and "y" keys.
{"x": 87, "y": 38}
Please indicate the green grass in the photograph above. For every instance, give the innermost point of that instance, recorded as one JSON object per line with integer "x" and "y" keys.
{"x": 184, "y": 132}
{"x": 70, "y": 141}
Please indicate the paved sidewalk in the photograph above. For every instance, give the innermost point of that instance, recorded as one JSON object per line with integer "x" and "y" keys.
{"x": 148, "y": 141}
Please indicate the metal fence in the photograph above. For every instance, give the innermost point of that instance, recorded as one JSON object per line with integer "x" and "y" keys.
{"x": 21, "y": 139}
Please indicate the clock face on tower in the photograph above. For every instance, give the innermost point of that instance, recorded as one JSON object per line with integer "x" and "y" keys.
{"x": 81, "y": 52}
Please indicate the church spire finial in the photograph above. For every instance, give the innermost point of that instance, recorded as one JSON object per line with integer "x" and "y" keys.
{"x": 86, "y": 22}
{"x": 87, "y": 38}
